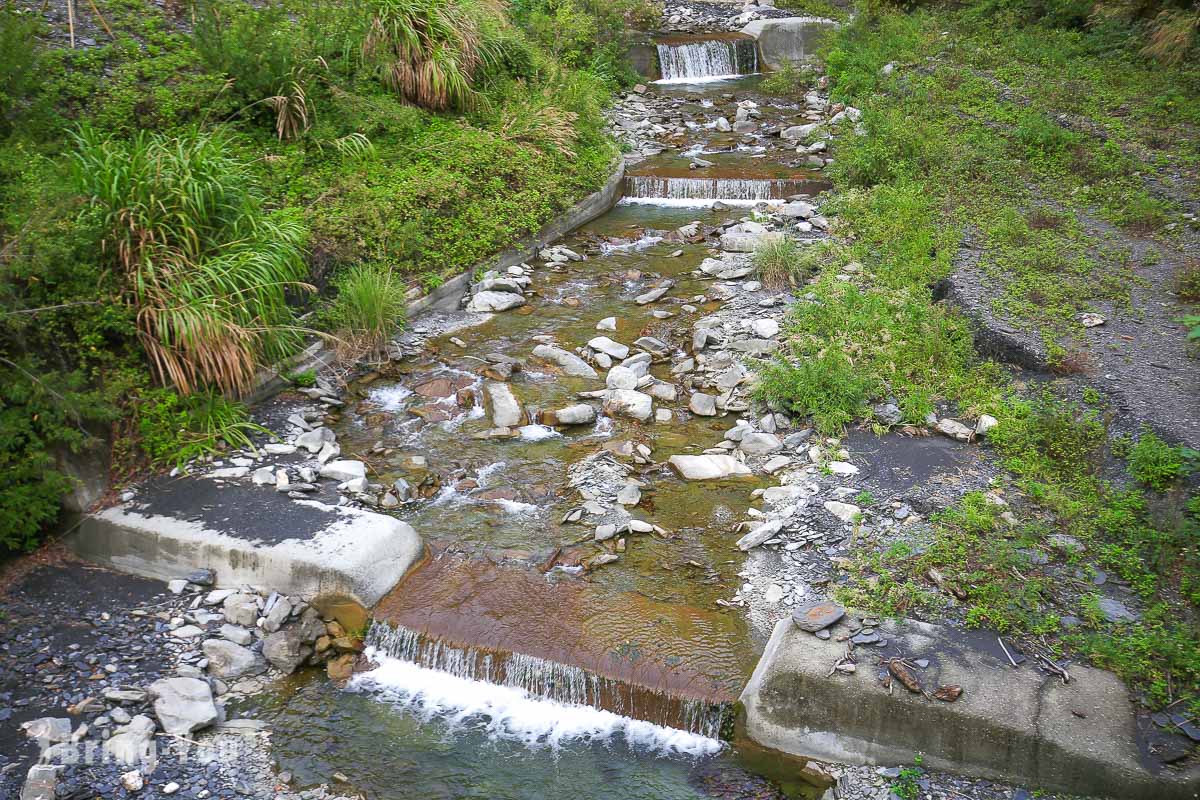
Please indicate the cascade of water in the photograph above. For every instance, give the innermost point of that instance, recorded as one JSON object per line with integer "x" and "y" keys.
{"x": 707, "y": 59}
{"x": 647, "y": 187}
{"x": 561, "y": 683}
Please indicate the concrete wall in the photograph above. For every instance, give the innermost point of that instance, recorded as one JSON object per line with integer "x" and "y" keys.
{"x": 1018, "y": 725}
{"x": 790, "y": 39}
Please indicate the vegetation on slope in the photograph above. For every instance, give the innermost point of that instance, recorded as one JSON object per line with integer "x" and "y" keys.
{"x": 172, "y": 195}
{"x": 995, "y": 128}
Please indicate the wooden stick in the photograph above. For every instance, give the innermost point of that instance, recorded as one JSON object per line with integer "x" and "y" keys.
{"x": 71, "y": 20}
{"x": 1006, "y": 653}
{"x": 100, "y": 17}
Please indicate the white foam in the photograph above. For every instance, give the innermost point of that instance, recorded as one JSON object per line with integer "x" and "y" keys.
{"x": 483, "y": 475}
{"x": 509, "y": 713}
{"x": 640, "y": 244}
{"x": 515, "y": 506}
{"x": 685, "y": 202}
{"x": 389, "y": 398}
{"x": 537, "y": 433}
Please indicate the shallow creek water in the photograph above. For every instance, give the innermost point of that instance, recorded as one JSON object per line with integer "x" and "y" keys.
{"x": 503, "y": 668}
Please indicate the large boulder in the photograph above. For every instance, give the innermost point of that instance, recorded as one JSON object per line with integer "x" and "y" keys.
{"x": 506, "y": 411}
{"x": 789, "y": 40}
{"x": 183, "y": 705}
{"x": 285, "y": 650}
{"x": 230, "y": 661}
{"x": 708, "y": 467}
{"x": 569, "y": 363}
{"x": 578, "y": 414}
{"x": 629, "y": 403}
{"x": 487, "y": 302}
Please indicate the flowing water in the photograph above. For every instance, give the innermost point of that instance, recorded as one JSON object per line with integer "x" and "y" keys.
{"x": 503, "y": 665}
{"x": 692, "y": 59}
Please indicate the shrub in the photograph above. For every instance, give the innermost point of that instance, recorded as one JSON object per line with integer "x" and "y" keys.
{"x": 369, "y": 307}
{"x": 791, "y": 81}
{"x": 206, "y": 267}
{"x": 827, "y": 386}
{"x": 176, "y": 429}
{"x": 255, "y": 48}
{"x": 1187, "y": 281}
{"x": 1155, "y": 463}
{"x": 18, "y": 60}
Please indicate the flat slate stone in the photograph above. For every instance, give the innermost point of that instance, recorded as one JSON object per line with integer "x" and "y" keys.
{"x": 816, "y": 616}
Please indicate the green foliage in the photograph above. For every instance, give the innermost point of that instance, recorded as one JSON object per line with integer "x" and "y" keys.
{"x": 825, "y": 385}
{"x": 207, "y": 268}
{"x": 176, "y": 429}
{"x": 1187, "y": 281}
{"x": 19, "y": 58}
{"x": 255, "y": 48}
{"x": 369, "y": 306}
{"x": 304, "y": 379}
{"x": 1157, "y": 464}
{"x": 790, "y": 81}
{"x": 907, "y": 785}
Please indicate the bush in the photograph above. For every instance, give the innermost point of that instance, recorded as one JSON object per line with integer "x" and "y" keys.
{"x": 369, "y": 307}
{"x": 827, "y": 386}
{"x": 1157, "y": 464}
{"x": 18, "y": 61}
{"x": 791, "y": 81}
{"x": 256, "y": 48}
{"x": 1187, "y": 281}
{"x": 175, "y": 430}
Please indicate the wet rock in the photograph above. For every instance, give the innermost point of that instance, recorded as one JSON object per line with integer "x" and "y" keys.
{"x": 760, "y": 444}
{"x": 570, "y": 363}
{"x": 487, "y": 302}
{"x": 629, "y": 403}
{"x": 578, "y": 414}
{"x": 652, "y": 295}
{"x": 816, "y": 616}
{"x": 231, "y": 661}
{"x": 343, "y": 470}
{"x": 506, "y": 411}
{"x": 605, "y": 532}
{"x": 183, "y": 705}
{"x": 708, "y": 467}
{"x": 285, "y": 651}
{"x": 703, "y": 405}
{"x": 605, "y": 345}
{"x": 607, "y": 324}
{"x": 759, "y": 535}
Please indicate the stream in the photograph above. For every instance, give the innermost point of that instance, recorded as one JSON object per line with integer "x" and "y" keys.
{"x": 526, "y": 657}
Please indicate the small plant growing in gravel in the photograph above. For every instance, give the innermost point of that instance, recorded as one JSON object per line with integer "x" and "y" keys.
{"x": 1157, "y": 464}
{"x": 779, "y": 262}
{"x": 907, "y": 786}
{"x": 864, "y": 498}
{"x": 1187, "y": 281}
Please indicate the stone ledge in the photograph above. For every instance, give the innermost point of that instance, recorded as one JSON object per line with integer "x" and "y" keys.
{"x": 788, "y": 39}
{"x": 257, "y": 538}
{"x": 1017, "y": 725}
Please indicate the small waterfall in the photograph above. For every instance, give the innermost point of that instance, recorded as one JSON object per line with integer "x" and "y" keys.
{"x": 561, "y": 683}
{"x": 695, "y": 191}
{"x": 707, "y": 59}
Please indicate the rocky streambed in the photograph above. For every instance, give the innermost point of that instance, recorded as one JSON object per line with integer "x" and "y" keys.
{"x": 613, "y": 523}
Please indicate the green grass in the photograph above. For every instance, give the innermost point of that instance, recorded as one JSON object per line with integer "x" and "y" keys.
{"x": 369, "y": 307}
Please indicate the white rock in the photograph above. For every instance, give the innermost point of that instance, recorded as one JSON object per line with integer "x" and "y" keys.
{"x": 846, "y": 512}
{"x": 986, "y": 423}
{"x": 842, "y": 468}
{"x": 607, "y": 324}
{"x": 344, "y": 470}
{"x": 603, "y": 344}
{"x": 487, "y": 301}
{"x": 629, "y": 403}
{"x": 506, "y": 411}
{"x": 570, "y": 363}
{"x": 765, "y": 328}
{"x": 578, "y": 414}
{"x": 708, "y": 467}
{"x": 133, "y": 781}
{"x": 954, "y": 429}
{"x": 759, "y": 535}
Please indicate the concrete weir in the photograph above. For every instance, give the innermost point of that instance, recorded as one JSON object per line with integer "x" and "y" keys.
{"x": 248, "y": 535}
{"x": 1012, "y": 724}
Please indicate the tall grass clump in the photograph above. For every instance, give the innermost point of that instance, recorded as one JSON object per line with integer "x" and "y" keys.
{"x": 174, "y": 429}
{"x": 207, "y": 268}
{"x": 428, "y": 51}
{"x": 779, "y": 262}
{"x": 368, "y": 309}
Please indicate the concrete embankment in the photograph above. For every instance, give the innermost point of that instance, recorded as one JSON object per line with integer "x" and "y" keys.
{"x": 1014, "y": 724}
